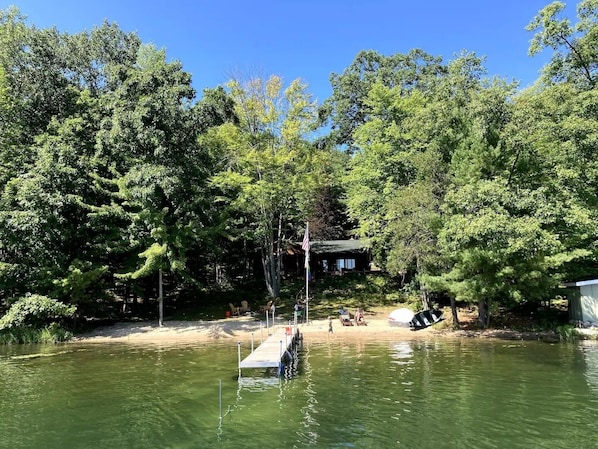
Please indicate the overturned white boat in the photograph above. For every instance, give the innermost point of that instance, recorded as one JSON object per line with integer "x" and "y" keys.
{"x": 400, "y": 317}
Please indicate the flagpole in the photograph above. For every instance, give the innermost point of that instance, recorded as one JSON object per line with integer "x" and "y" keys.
{"x": 306, "y": 247}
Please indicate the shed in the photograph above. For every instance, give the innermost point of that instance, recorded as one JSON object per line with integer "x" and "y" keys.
{"x": 583, "y": 303}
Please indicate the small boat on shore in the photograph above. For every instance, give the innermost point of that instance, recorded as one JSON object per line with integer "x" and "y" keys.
{"x": 425, "y": 318}
{"x": 400, "y": 318}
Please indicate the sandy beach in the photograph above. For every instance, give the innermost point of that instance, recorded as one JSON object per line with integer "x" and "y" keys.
{"x": 242, "y": 328}
{"x": 238, "y": 329}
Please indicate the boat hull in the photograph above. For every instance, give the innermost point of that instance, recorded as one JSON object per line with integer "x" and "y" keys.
{"x": 425, "y": 319}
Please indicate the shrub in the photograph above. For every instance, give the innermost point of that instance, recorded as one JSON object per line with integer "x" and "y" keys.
{"x": 35, "y": 312}
{"x": 567, "y": 332}
{"x": 54, "y": 333}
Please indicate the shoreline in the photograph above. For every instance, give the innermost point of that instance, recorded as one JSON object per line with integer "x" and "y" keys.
{"x": 241, "y": 329}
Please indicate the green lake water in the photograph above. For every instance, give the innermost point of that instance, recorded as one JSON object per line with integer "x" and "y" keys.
{"x": 403, "y": 394}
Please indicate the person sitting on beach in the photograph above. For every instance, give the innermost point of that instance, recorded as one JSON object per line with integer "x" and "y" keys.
{"x": 344, "y": 317}
{"x": 359, "y": 317}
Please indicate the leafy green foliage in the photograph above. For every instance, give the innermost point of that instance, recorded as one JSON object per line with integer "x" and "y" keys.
{"x": 347, "y": 108}
{"x": 109, "y": 165}
{"x": 112, "y": 171}
{"x": 270, "y": 168}
{"x": 53, "y": 333}
{"x": 567, "y": 332}
{"x": 81, "y": 278}
{"x": 35, "y": 311}
{"x": 399, "y": 176}
{"x": 499, "y": 248}
{"x": 575, "y": 59}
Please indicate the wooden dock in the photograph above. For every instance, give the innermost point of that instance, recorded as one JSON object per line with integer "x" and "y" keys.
{"x": 272, "y": 352}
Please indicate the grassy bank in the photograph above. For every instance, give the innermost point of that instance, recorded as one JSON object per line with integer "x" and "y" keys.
{"x": 49, "y": 334}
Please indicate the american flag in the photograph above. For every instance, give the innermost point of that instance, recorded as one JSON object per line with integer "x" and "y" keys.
{"x": 305, "y": 245}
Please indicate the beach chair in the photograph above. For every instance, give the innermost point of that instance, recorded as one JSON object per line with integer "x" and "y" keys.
{"x": 244, "y": 307}
{"x": 345, "y": 319}
{"x": 267, "y": 307}
{"x": 234, "y": 310}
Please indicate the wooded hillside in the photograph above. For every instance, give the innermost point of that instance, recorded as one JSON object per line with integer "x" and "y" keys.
{"x": 113, "y": 168}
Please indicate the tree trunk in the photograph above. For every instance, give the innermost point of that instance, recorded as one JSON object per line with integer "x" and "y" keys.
{"x": 426, "y": 299}
{"x": 424, "y": 291}
{"x": 272, "y": 255}
{"x": 160, "y": 300}
{"x": 483, "y": 313}
{"x": 267, "y": 271}
{"x": 275, "y": 277}
{"x": 271, "y": 277}
{"x": 278, "y": 258}
{"x": 456, "y": 324}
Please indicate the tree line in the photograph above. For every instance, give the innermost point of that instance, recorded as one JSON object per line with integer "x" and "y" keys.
{"x": 113, "y": 168}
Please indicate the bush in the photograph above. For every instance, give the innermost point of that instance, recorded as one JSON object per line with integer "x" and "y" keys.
{"x": 54, "y": 333}
{"x": 35, "y": 311}
{"x": 567, "y": 332}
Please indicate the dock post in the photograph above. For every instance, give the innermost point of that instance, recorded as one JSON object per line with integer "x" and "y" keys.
{"x": 220, "y": 402}
{"x": 239, "y": 356}
{"x": 261, "y": 332}
{"x": 280, "y": 363}
{"x": 252, "y": 342}
{"x": 294, "y": 321}
{"x": 267, "y": 323}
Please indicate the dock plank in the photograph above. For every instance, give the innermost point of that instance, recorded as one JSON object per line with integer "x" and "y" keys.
{"x": 269, "y": 353}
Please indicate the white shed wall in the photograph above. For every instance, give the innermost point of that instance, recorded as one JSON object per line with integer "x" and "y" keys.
{"x": 589, "y": 302}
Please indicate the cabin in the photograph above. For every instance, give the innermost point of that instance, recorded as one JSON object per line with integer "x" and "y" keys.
{"x": 583, "y": 302}
{"x": 329, "y": 257}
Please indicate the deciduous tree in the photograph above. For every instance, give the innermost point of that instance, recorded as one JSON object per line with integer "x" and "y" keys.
{"x": 269, "y": 164}
{"x": 575, "y": 57}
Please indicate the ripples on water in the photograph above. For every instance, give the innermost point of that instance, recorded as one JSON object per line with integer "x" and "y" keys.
{"x": 410, "y": 394}
{"x": 466, "y": 394}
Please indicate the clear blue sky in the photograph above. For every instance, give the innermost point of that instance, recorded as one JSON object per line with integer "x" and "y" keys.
{"x": 308, "y": 39}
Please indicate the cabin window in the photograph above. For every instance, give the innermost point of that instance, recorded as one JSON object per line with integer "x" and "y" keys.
{"x": 345, "y": 264}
